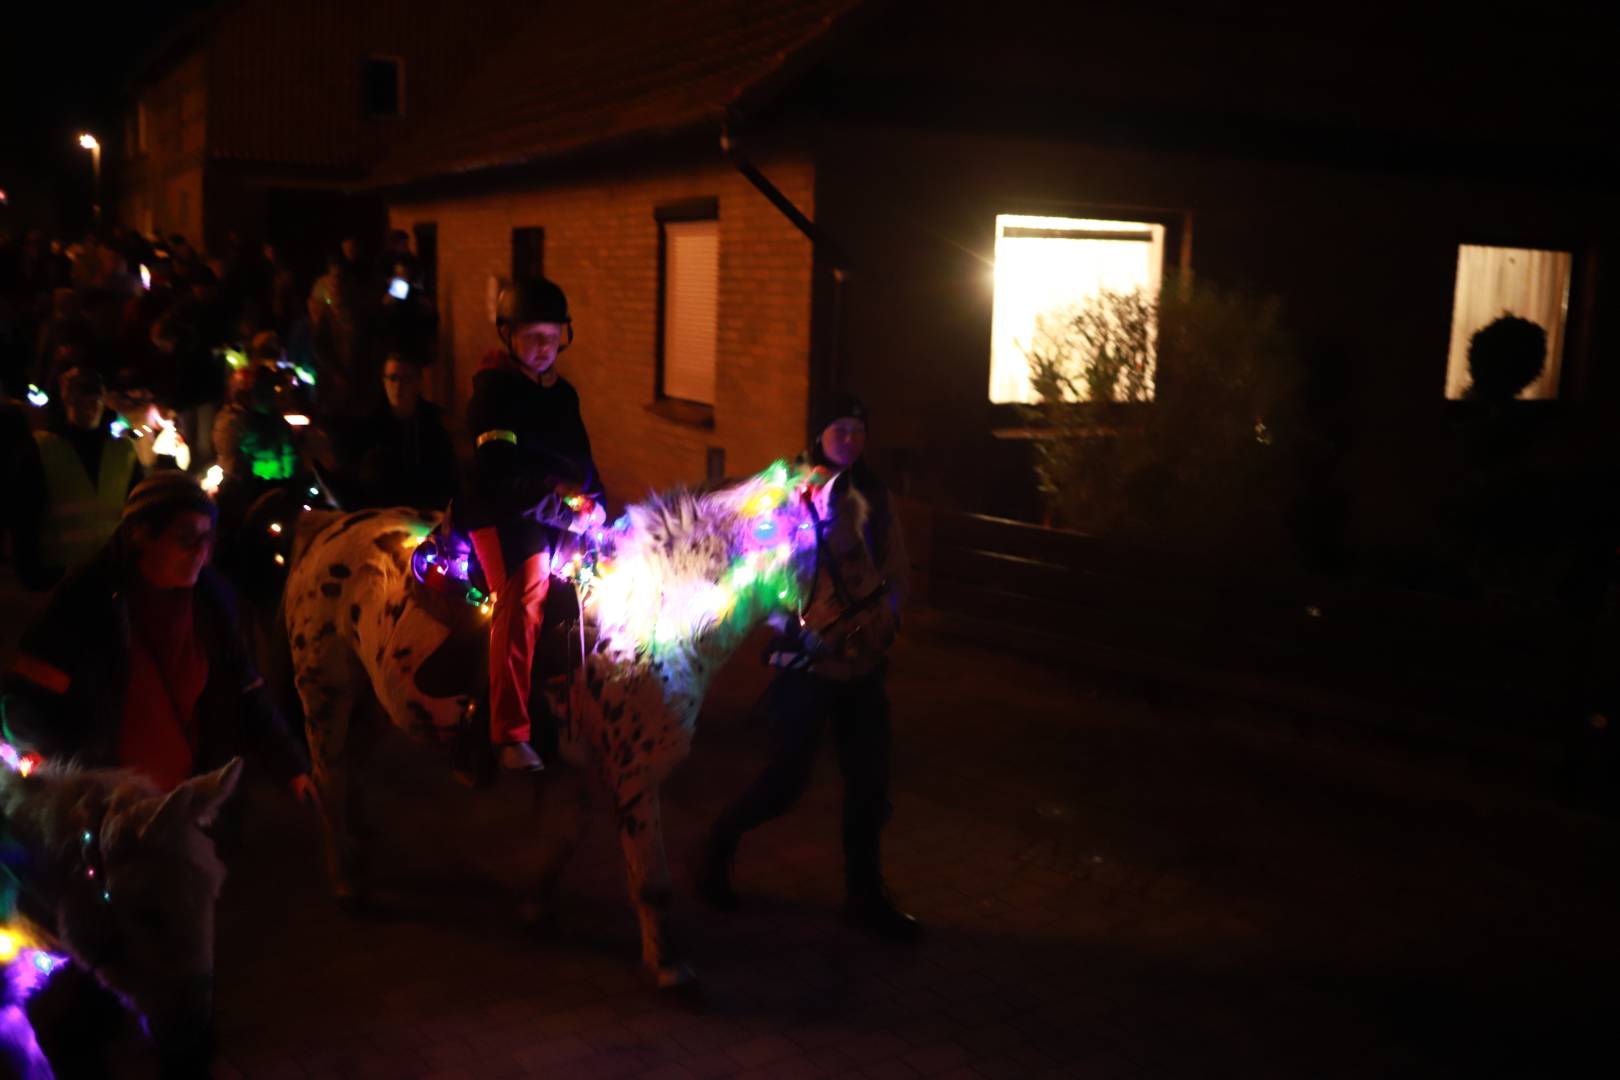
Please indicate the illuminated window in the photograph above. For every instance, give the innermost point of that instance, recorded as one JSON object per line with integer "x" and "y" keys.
{"x": 1047, "y": 268}
{"x": 689, "y": 300}
{"x": 1497, "y": 281}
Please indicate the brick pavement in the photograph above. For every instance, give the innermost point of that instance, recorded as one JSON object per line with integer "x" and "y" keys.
{"x": 1114, "y": 886}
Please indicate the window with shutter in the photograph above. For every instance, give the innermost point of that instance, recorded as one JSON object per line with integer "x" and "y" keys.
{"x": 690, "y": 295}
{"x": 1497, "y": 281}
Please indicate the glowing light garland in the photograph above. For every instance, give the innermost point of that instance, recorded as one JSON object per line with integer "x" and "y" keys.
{"x": 624, "y": 581}
{"x": 624, "y": 574}
{"x": 27, "y": 966}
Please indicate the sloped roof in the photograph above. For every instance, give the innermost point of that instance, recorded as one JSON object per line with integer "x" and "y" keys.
{"x": 581, "y": 73}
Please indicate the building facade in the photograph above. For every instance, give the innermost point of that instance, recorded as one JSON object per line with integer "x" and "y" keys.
{"x": 1386, "y": 206}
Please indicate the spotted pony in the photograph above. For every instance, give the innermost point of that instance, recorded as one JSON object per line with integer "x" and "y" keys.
{"x": 684, "y": 579}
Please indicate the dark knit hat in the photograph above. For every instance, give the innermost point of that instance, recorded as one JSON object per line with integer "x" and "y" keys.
{"x": 164, "y": 494}
{"x": 838, "y": 406}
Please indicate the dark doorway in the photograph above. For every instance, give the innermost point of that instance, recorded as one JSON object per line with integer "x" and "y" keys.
{"x": 426, "y": 234}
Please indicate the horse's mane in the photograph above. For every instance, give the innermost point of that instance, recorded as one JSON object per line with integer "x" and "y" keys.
{"x": 47, "y": 811}
{"x": 47, "y": 806}
{"x": 670, "y": 556}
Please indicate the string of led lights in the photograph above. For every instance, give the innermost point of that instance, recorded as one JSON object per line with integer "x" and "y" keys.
{"x": 623, "y": 572}
{"x": 26, "y": 963}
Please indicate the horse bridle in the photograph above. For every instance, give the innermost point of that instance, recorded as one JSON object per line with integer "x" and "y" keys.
{"x": 851, "y": 607}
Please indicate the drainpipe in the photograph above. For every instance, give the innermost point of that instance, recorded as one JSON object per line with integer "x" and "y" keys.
{"x": 821, "y": 248}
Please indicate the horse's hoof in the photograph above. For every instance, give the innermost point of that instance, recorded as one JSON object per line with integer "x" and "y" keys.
{"x": 667, "y": 977}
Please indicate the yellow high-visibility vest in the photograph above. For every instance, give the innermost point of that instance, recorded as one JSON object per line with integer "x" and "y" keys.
{"x": 80, "y": 517}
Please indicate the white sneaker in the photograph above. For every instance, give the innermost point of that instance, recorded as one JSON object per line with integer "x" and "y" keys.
{"x": 520, "y": 757}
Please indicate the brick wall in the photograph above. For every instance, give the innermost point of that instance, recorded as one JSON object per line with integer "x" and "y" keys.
{"x": 163, "y": 184}
{"x": 601, "y": 246}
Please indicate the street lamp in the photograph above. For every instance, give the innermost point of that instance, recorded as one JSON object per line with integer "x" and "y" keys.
{"x": 89, "y": 142}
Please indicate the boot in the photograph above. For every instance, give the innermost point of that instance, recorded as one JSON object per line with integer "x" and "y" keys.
{"x": 519, "y": 757}
{"x": 711, "y": 871}
{"x": 873, "y": 910}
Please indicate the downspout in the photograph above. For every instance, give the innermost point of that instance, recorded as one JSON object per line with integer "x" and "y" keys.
{"x": 820, "y": 248}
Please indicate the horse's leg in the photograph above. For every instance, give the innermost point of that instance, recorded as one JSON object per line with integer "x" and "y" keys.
{"x": 641, "y": 834}
{"x": 329, "y": 707}
{"x": 563, "y": 805}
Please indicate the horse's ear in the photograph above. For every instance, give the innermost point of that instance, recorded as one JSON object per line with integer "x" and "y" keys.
{"x": 822, "y": 496}
{"x": 197, "y": 801}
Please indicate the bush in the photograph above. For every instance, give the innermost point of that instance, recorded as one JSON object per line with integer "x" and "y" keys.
{"x": 1170, "y": 421}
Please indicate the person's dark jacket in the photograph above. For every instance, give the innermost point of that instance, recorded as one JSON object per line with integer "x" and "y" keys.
{"x": 401, "y": 462}
{"x": 64, "y": 693}
{"x": 529, "y": 441}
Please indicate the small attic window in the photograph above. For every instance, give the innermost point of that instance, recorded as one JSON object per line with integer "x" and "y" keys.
{"x": 382, "y": 86}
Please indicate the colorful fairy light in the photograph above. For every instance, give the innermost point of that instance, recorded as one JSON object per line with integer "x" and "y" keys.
{"x": 626, "y": 581}
{"x": 37, "y": 397}
{"x": 23, "y": 762}
{"x": 212, "y": 479}
{"x": 27, "y": 965}
{"x": 169, "y": 443}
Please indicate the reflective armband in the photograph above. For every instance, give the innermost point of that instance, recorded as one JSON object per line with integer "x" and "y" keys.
{"x": 495, "y": 434}
{"x": 46, "y": 676}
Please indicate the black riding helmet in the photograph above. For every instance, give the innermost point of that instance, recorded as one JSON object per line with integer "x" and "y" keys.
{"x": 531, "y": 300}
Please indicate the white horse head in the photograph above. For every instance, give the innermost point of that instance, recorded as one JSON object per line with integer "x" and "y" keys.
{"x": 123, "y": 879}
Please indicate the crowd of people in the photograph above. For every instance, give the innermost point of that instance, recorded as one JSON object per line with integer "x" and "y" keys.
{"x": 122, "y": 355}
{"x": 165, "y": 393}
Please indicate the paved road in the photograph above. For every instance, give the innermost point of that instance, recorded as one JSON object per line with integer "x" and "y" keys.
{"x": 1115, "y": 884}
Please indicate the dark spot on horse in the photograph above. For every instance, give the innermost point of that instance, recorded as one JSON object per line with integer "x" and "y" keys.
{"x": 328, "y": 628}
{"x": 390, "y": 542}
{"x": 331, "y": 589}
{"x": 402, "y": 652}
{"x": 630, "y": 825}
{"x": 299, "y": 641}
{"x": 338, "y": 570}
{"x": 631, "y": 803}
{"x": 350, "y": 522}
{"x": 646, "y": 745}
